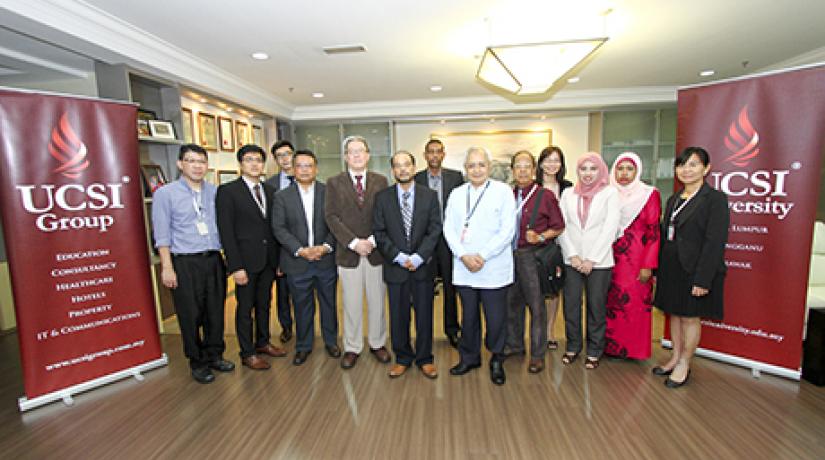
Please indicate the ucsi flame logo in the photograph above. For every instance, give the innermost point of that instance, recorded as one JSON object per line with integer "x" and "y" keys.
{"x": 742, "y": 140}
{"x": 67, "y": 148}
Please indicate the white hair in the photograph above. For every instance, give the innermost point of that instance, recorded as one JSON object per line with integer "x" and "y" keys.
{"x": 486, "y": 153}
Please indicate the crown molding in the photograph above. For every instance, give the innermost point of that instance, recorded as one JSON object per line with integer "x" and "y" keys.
{"x": 112, "y": 38}
{"x": 563, "y": 100}
{"x": 809, "y": 57}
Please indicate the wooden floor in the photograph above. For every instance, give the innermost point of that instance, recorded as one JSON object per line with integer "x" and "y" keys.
{"x": 320, "y": 411}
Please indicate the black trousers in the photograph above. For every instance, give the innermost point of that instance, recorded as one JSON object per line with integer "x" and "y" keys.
{"x": 495, "y": 316}
{"x": 526, "y": 291}
{"x": 443, "y": 259}
{"x": 321, "y": 282}
{"x": 595, "y": 285}
{"x": 284, "y": 301}
{"x": 256, "y": 296}
{"x": 199, "y": 303}
{"x": 417, "y": 294}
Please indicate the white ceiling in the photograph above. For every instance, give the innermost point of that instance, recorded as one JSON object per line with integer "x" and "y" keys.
{"x": 414, "y": 44}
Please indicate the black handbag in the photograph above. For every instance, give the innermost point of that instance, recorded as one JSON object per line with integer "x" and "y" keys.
{"x": 549, "y": 260}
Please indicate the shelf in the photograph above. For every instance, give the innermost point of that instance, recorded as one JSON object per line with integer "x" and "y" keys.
{"x": 158, "y": 140}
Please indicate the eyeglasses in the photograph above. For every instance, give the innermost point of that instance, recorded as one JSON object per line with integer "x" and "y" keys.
{"x": 304, "y": 165}
{"x": 197, "y": 161}
{"x": 283, "y": 154}
{"x": 255, "y": 159}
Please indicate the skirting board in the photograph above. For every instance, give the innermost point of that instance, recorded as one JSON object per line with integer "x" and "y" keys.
{"x": 66, "y": 394}
{"x": 756, "y": 367}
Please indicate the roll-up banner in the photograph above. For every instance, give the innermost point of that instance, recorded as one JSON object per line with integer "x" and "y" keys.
{"x": 72, "y": 214}
{"x": 766, "y": 138}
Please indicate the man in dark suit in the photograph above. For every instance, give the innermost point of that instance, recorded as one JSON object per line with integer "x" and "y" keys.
{"x": 243, "y": 208}
{"x": 348, "y": 210}
{"x": 407, "y": 227}
{"x": 282, "y": 151}
{"x": 443, "y": 181}
{"x": 306, "y": 256}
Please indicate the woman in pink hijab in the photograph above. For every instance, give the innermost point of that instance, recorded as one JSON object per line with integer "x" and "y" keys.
{"x": 591, "y": 214}
{"x": 630, "y": 297}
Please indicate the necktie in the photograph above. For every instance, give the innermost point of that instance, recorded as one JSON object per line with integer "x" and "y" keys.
{"x": 359, "y": 189}
{"x": 291, "y": 179}
{"x": 258, "y": 197}
{"x": 436, "y": 185}
{"x": 406, "y": 214}
{"x": 518, "y": 220}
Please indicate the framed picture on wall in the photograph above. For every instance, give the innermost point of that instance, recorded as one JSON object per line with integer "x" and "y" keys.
{"x": 211, "y": 176}
{"x": 144, "y": 114}
{"x": 501, "y": 145}
{"x": 153, "y": 178}
{"x": 143, "y": 128}
{"x": 162, "y": 129}
{"x": 258, "y": 136}
{"x": 208, "y": 131}
{"x": 243, "y": 134}
{"x": 226, "y": 175}
{"x": 227, "y": 137}
{"x": 188, "y": 126}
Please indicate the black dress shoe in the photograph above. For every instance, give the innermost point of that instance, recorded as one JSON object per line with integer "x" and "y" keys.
{"x": 300, "y": 357}
{"x": 462, "y": 368}
{"x": 453, "y": 338}
{"x": 222, "y": 365}
{"x": 203, "y": 375}
{"x": 286, "y": 335}
{"x": 674, "y": 384}
{"x": 333, "y": 351}
{"x": 661, "y": 371}
{"x": 497, "y": 372}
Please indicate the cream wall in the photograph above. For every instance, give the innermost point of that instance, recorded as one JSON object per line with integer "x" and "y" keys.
{"x": 569, "y": 132}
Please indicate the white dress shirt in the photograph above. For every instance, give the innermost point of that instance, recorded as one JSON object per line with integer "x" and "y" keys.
{"x": 308, "y": 200}
{"x": 488, "y": 233}
{"x": 251, "y": 185}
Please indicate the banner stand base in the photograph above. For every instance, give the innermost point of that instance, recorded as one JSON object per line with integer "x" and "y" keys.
{"x": 756, "y": 367}
{"x": 66, "y": 393}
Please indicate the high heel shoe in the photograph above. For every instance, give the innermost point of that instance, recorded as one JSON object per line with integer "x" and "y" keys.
{"x": 661, "y": 371}
{"x": 674, "y": 384}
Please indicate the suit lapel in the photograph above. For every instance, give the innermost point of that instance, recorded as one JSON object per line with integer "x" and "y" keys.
{"x": 694, "y": 204}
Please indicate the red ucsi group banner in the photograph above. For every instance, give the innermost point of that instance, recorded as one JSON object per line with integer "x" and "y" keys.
{"x": 73, "y": 222}
{"x": 765, "y": 136}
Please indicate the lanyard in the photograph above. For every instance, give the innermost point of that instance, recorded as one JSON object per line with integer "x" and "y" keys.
{"x": 197, "y": 203}
{"x": 524, "y": 200}
{"x": 470, "y": 212}
{"x": 682, "y": 206}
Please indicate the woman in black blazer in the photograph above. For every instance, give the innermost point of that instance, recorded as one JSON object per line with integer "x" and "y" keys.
{"x": 691, "y": 275}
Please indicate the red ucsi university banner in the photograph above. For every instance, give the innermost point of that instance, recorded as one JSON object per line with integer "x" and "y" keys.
{"x": 73, "y": 222}
{"x": 765, "y": 135}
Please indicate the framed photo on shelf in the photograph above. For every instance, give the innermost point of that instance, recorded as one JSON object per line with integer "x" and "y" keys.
{"x": 208, "y": 131}
{"x": 147, "y": 115}
{"x": 162, "y": 129}
{"x": 153, "y": 178}
{"x": 226, "y": 135}
{"x": 258, "y": 136}
{"x": 243, "y": 134}
{"x": 143, "y": 128}
{"x": 188, "y": 126}
{"x": 226, "y": 175}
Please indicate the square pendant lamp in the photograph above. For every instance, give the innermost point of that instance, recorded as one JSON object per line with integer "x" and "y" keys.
{"x": 533, "y": 68}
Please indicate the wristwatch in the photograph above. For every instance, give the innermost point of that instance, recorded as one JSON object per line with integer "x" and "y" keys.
{"x": 542, "y": 239}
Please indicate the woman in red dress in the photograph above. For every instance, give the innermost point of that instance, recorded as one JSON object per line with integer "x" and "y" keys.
{"x": 635, "y": 252}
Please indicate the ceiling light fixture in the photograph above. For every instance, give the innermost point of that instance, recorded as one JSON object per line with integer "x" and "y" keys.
{"x": 573, "y": 80}
{"x": 707, "y": 73}
{"x": 260, "y": 56}
{"x": 318, "y": 95}
{"x": 533, "y": 68}
{"x": 436, "y": 88}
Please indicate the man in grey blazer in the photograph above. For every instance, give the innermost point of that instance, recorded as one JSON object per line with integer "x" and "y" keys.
{"x": 407, "y": 227}
{"x": 283, "y": 151}
{"x": 443, "y": 181}
{"x": 349, "y": 205}
{"x": 306, "y": 256}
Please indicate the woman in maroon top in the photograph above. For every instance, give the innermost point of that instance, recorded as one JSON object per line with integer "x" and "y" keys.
{"x": 526, "y": 291}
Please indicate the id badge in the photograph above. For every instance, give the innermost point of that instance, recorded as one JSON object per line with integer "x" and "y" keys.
{"x": 203, "y": 230}
{"x": 671, "y": 232}
{"x": 464, "y": 234}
